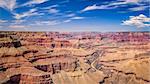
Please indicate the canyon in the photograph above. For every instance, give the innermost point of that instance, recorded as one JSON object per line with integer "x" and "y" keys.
{"x": 74, "y": 57}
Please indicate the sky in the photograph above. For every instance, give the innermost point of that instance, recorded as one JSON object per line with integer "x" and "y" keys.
{"x": 75, "y": 15}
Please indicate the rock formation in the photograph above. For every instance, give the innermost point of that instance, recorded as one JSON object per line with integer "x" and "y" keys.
{"x": 74, "y": 58}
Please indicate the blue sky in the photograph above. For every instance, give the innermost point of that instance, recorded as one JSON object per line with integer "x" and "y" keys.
{"x": 74, "y": 15}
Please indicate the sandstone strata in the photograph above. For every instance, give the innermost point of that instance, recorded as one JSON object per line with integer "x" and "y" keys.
{"x": 74, "y": 58}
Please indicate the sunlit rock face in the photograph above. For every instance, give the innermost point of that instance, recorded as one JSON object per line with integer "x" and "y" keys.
{"x": 131, "y": 37}
{"x": 56, "y": 64}
{"x": 29, "y": 79}
{"x": 74, "y": 58}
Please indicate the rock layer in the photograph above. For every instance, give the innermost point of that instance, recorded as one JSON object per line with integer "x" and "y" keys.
{"x": 74, "y": 58}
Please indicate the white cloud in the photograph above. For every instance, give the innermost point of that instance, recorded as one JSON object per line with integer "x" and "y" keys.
{"x": 52, "y": 6}
{"x": 37, "y": 1}
{"x": 112, "y": 5}
{"x": 135, "y": 1}
{"x": 70, "y": 15}
{"x": 138, "y": 21}
{"x": 50, "y": 23}
{"x": 108, "y": 6}
{"x": 53, "y": 10}
{"x": 77, "y": 18}
{"x": 73, "y": 18}
{"x": 17, "y": 26}
{"x": 16, "y": 22}
{"x": 32, "y": 2}
{"x": 8, "y": 4}
{"x": 93, "y": 7}
{"x": 130, "y": 1}
{"x": 66, "y": 21}
{"x": 3, "y": 21}
{"x": 12, "y": 4}
{"x": 31, "y": 12}
{"x": 140, "y": 8}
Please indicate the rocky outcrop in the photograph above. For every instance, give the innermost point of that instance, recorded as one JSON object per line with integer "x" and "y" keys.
{"x": 27, "y": 76}
{"x": 15, "y": 79}
{"x": 44, "y": 40}
{"x": 11, "y": 44}
{"x": 131, "y": 37}
{"x": 29, "y": 79}
{"x": 9, "y": 41}
{"x": 56, "y": 64}
{"x": 131, "y": 70}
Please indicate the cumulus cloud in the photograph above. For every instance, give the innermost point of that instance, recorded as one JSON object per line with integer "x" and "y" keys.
{"x": 8, "y": 4}
{"x": 138, "y": 21}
